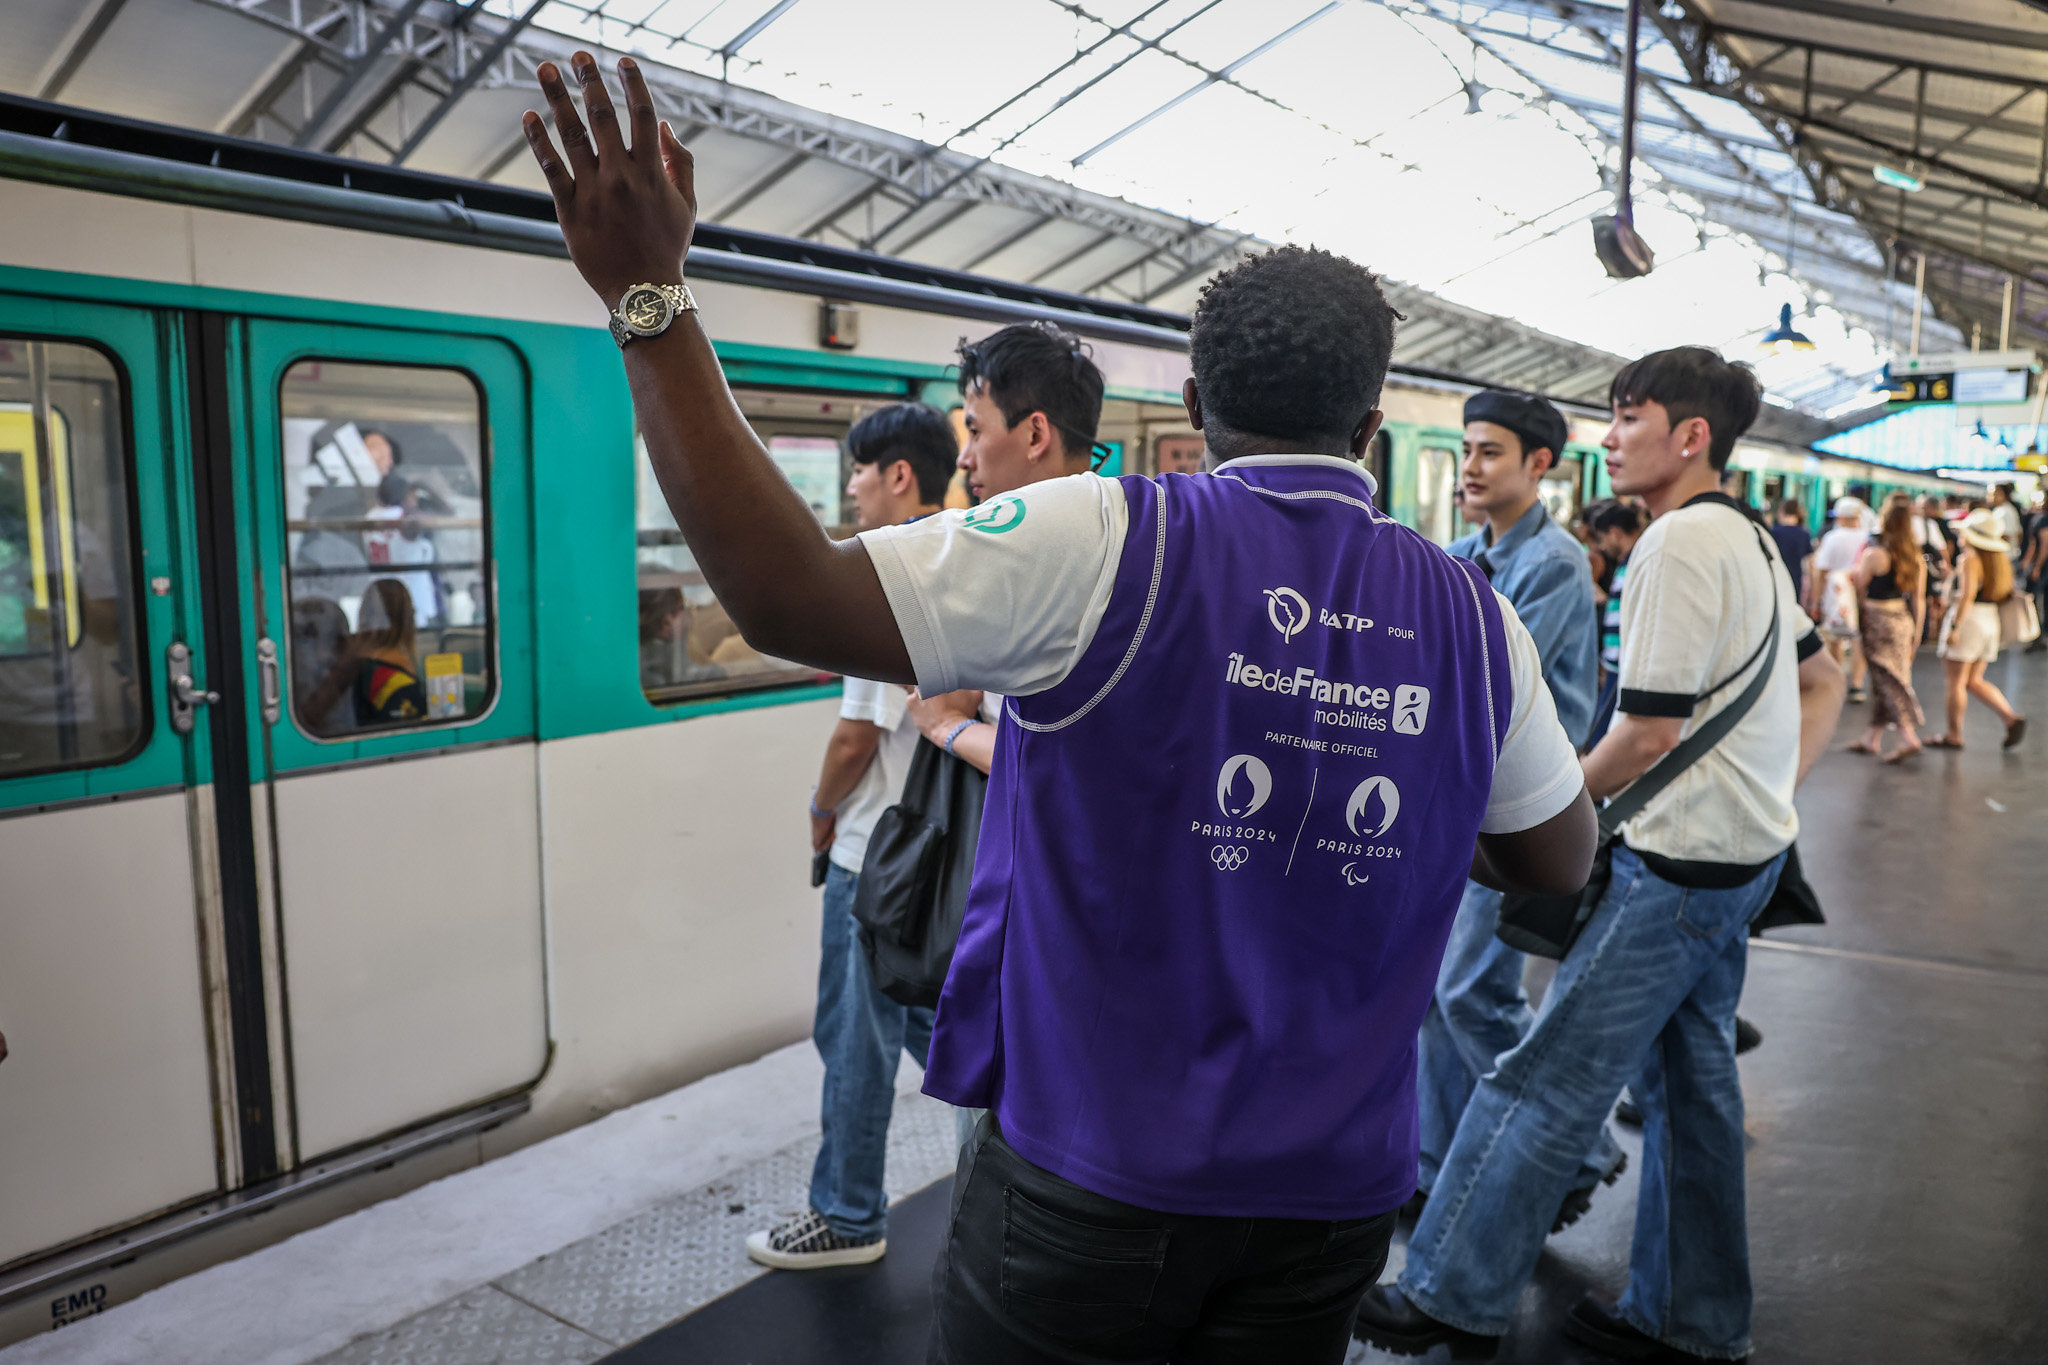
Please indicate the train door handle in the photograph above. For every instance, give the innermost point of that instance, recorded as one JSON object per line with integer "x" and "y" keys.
{"x": 272, "y": 695}
{"x": 186, "y": 696}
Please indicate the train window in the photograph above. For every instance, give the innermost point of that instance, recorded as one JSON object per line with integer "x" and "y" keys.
{"x": 1436, "y": 472}
{"x": 387, "y": 546}
{"x": 71, "y": 681}
{"x": 1559, "y": 489}
{"x": 688, "y": 645}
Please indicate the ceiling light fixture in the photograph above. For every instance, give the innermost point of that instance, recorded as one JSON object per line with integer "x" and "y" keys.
{"x": 1621, "y": 249}
{"x": 1783, "y": 339}
{"x": 1898, "y": 180}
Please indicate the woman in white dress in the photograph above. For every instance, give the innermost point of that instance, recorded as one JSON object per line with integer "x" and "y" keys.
{"x": 1970, "y": 632}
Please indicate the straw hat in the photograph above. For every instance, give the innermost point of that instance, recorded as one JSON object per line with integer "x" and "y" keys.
{"x": 1979, "y": 530}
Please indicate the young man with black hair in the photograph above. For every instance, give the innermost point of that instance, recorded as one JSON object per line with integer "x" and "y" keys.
{"x": 1032, "y": 399}
{"x": 1613, "y": 530}
{"x": 1646, "y": 996}
{"x": 1479, "y": 1010}
{"x": 1201, "y": 1111}
{"x": 902, "y": 458}
{"x": 1795, "y": 543}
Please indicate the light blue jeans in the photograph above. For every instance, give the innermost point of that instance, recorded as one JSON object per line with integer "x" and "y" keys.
{"x": 1646, "y": 998}
{"x": 1479, "y": 1013}
{"x": 860, "y": 1033}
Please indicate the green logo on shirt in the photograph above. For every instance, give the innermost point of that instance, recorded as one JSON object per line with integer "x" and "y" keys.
{"x": 1004, "y": 514}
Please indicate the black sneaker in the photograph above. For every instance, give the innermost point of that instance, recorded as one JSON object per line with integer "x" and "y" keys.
{"x": 1627, "y": 1111}
{"x": 1576, "y": 1202}
{"x": 1747, "y": 1036}
{"x": 1592, "y": 1323}
{"x": 808, "y": 1243}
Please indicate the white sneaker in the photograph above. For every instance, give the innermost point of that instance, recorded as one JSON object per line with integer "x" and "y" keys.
{"x": 808, "y": 1243}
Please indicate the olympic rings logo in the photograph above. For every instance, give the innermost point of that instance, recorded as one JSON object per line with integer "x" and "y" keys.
{"x": 1229, "y": 858}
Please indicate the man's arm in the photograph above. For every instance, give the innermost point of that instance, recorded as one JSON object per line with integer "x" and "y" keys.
{"x": 957, "y": 714}
{"x": 1631, "y": 745}
{"x": 1556, "y": 605}
{"x": 1821, "y": 689}
{"x": 627, "y": 216}
{"x": 848, "y": 752}
{"x": 1553, "y": 859}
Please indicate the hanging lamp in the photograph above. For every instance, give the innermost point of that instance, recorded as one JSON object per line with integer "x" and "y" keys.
{"x": 1784, "y": 339}
{"x": 1616, "y": 242}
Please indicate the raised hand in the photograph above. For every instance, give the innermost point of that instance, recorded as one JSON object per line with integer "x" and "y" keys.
{"x": 626, "y": 212}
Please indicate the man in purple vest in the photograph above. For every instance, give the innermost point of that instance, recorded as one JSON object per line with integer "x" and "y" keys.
{"x": 1255, "y": 730}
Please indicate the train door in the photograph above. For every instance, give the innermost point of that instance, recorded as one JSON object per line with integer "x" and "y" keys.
{"x": 118, "y": 1010}
{"x": 389, "y": 637}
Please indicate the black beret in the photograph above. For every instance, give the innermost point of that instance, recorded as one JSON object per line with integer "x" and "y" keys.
{"x": 1540, "y": 425}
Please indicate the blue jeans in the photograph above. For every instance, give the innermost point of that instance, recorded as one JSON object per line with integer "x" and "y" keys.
{"x": 1479, "y": 1013}
{"x": 1646, "y": 998}
{"x": 860, "y": 1032}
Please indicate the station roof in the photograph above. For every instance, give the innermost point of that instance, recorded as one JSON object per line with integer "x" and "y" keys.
{"x": 1129, "y": 148}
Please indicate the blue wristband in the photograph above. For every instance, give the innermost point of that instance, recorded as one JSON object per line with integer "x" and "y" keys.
{"x": 956, "y": 734}
{"x": 817, "y": 814}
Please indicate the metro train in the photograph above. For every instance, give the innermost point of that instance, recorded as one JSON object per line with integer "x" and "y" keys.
{"x": 381, "y": 789}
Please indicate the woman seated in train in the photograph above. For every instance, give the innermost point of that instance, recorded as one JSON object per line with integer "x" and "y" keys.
{"x": 379, "y": 669}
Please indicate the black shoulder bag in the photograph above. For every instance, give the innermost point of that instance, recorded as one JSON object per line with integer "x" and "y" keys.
{"x": 913, "y": 883}
{"x": 1547, "y": 926}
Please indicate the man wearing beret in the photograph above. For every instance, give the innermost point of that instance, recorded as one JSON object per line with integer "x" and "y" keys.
{"x": 1480, "y": 1009}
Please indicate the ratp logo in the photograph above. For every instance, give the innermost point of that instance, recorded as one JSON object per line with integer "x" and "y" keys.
{"x": 1288, "y": 611}
{"x": 995, "y": 517}
{"x": 1237, "y": 803}
{"x": 1411, "y": 710}
{"x": 1357, "y": 811}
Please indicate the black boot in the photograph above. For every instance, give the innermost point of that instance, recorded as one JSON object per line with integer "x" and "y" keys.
{"x": 1592, "y": 1323}
{"x": 1387, "y": 1320}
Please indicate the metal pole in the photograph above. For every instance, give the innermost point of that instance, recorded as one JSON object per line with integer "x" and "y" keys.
{"x": 1919, "y": 298}
{"x": 2005, "y": 318}
{"x": 1628, "y": 112}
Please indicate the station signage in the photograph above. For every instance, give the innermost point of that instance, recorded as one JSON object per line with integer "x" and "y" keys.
{"x": 1968, "y": 377}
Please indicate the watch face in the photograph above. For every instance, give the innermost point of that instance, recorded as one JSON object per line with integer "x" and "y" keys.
{"x": 645, "y": 310}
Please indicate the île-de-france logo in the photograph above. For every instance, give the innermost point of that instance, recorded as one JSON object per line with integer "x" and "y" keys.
{"x": 1411, "y": 709}
{"x": 996, "y": 516}
{"x": 1358, "y": 811}
{"x": 1244, "y": 785}
{"x": 1287, "y": 610}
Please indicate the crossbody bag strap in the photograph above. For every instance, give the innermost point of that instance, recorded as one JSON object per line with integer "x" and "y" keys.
{"x": 1694, "y": 746}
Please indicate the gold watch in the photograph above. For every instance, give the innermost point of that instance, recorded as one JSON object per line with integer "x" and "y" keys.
{"x": 646, "y": 310}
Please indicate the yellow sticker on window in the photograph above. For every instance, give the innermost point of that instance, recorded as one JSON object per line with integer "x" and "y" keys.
{"x": 444, "y": 686}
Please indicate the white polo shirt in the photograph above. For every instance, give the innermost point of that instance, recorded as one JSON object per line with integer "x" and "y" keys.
{"x": 1700, "y": 583}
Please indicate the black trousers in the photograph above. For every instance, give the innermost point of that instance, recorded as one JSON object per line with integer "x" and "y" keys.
{"x": 1038, "y": 1270}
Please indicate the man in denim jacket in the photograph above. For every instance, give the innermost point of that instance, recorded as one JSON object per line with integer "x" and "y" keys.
{"x": 1480, "y": 1009}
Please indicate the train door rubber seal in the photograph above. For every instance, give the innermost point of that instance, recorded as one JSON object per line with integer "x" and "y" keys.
{"x": 220, "y": 580}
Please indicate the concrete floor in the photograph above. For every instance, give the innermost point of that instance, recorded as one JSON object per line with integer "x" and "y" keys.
{"x": 1898, "y": 1108}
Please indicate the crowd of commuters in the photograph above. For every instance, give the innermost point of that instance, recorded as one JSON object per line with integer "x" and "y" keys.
{"x": 1195, "y": 1120}
{"x": 1883, "y": 583}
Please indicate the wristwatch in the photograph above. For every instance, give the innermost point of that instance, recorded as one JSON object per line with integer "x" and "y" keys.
{"x": 646, "y": 310}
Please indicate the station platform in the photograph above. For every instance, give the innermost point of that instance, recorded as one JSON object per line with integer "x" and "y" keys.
{"x": 1898, "y": 1196}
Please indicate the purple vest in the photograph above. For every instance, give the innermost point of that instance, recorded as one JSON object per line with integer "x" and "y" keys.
{"x": 1219, "y": 861}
